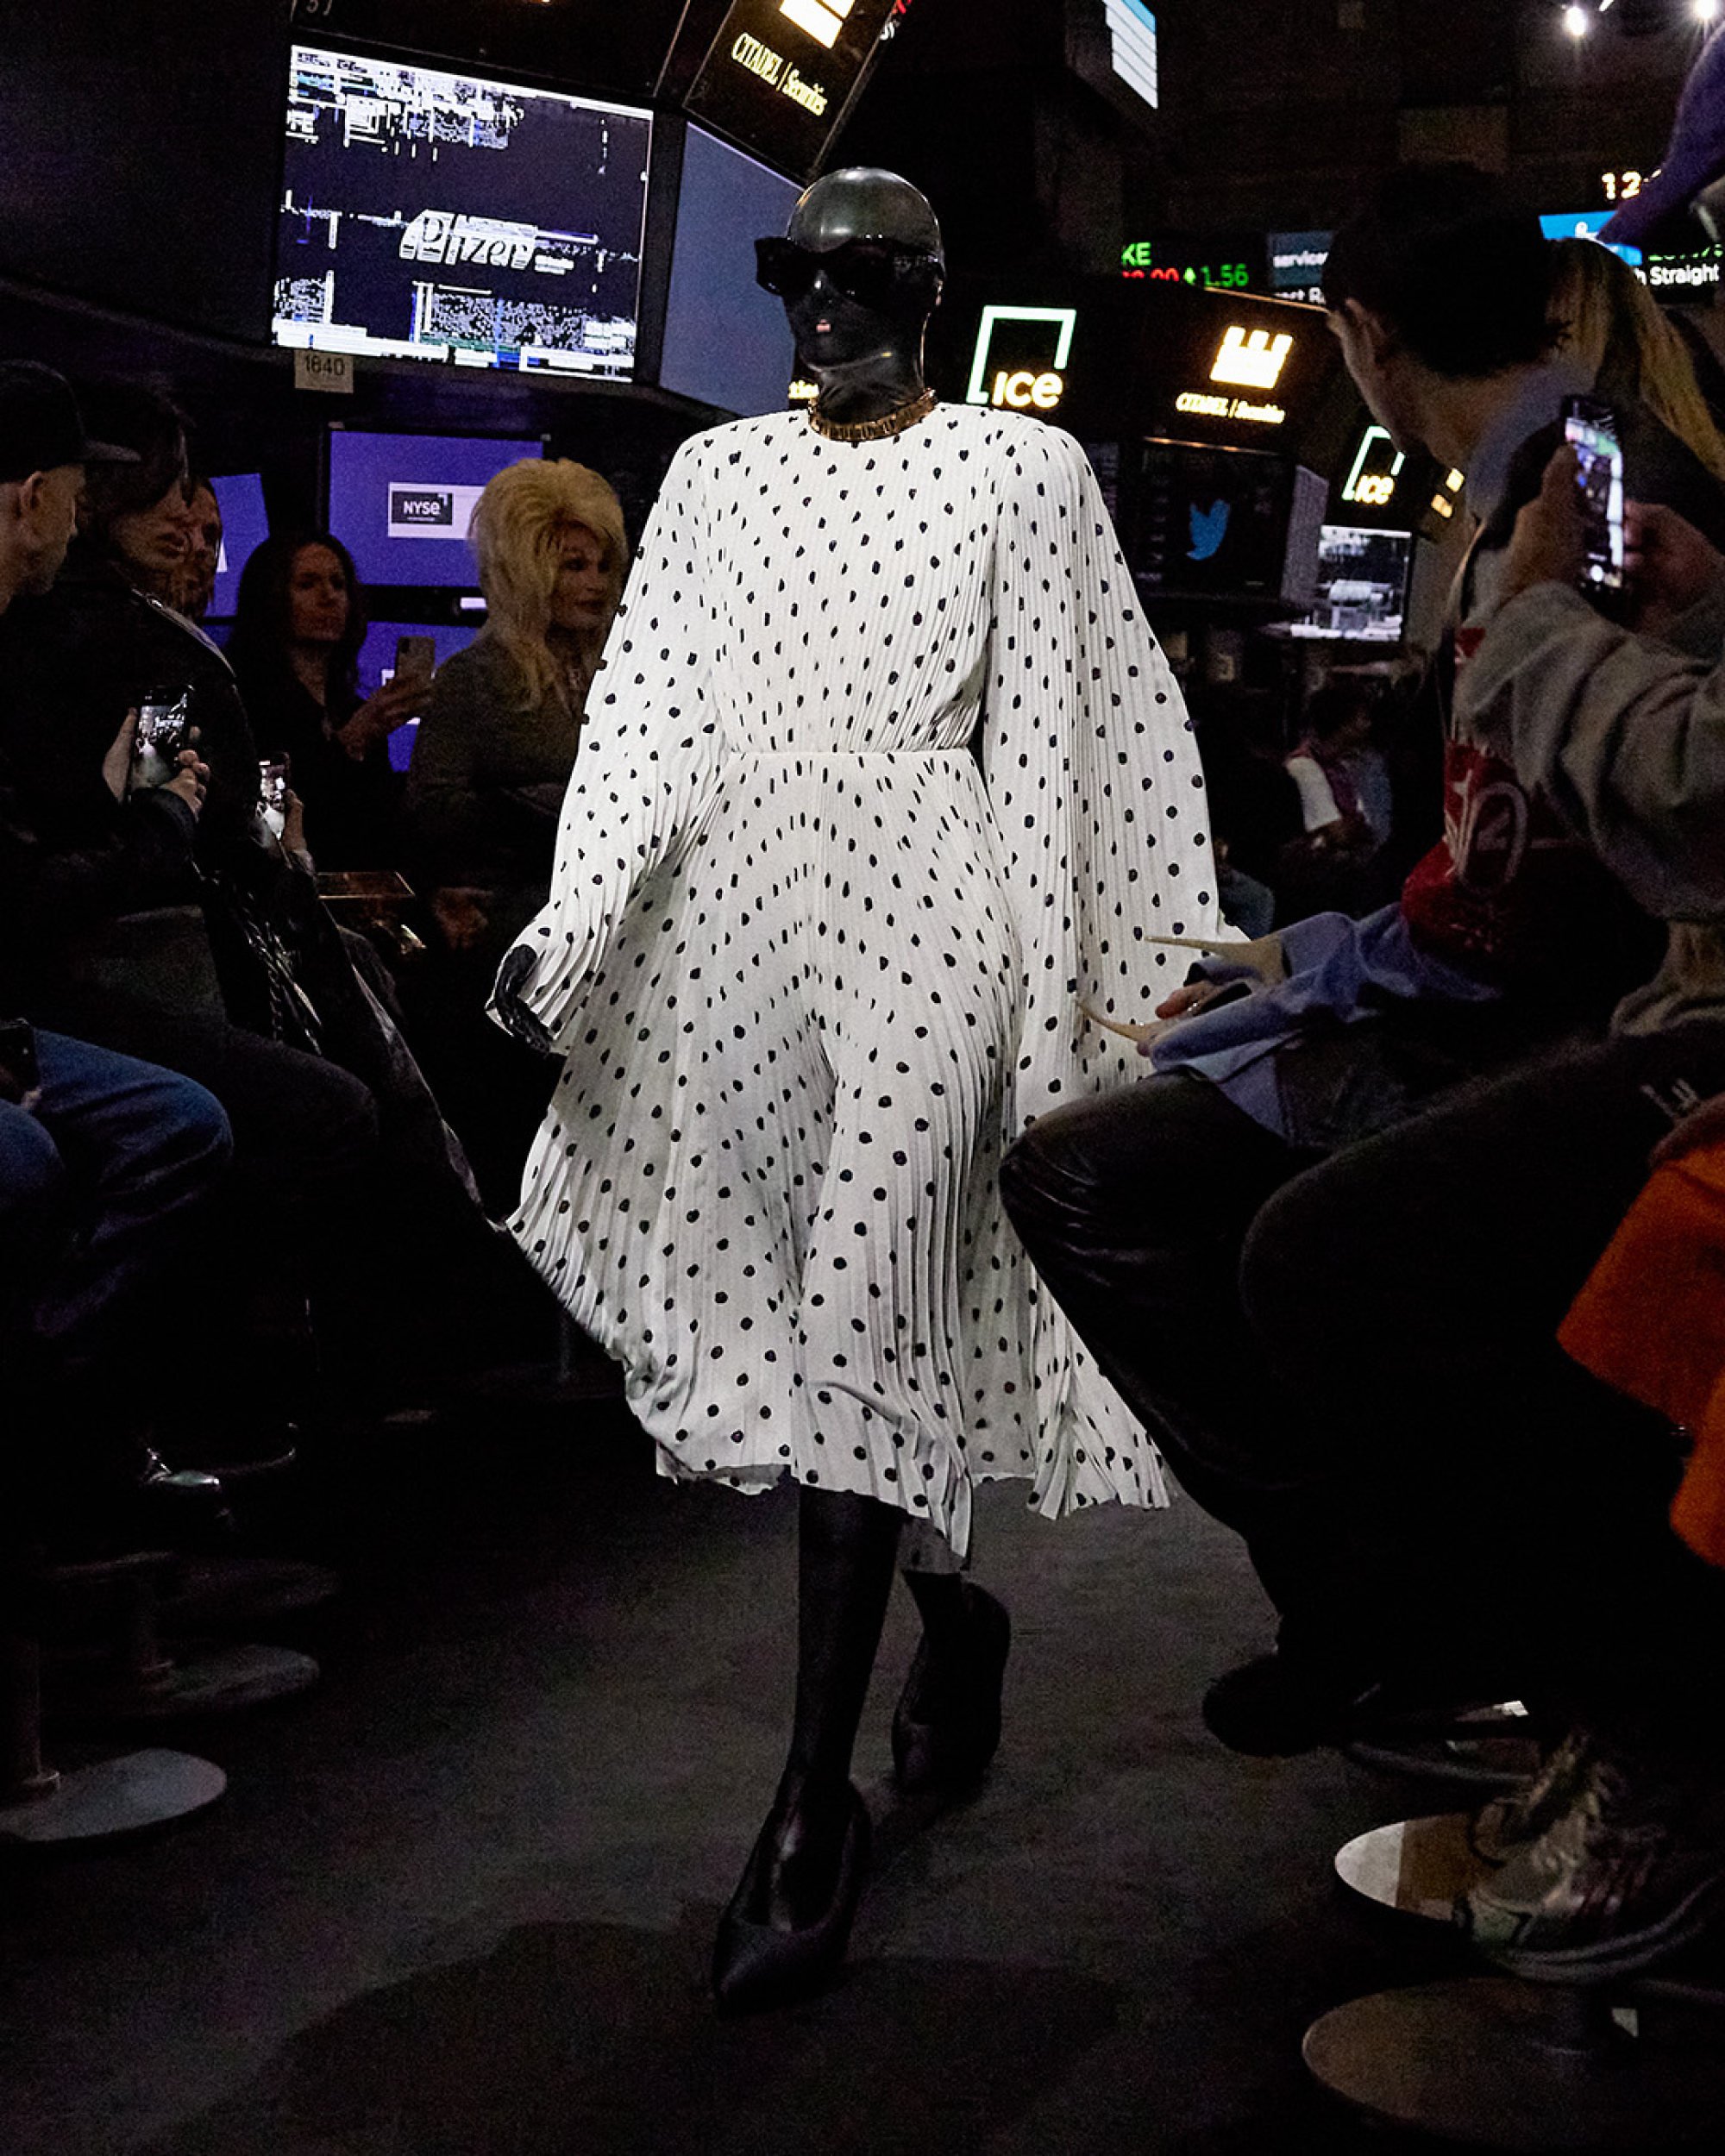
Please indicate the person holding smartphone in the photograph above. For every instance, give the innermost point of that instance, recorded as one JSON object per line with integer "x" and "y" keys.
{"x": 299, "y": 622}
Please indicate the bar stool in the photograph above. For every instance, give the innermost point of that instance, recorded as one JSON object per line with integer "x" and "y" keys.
{"x": 42, "y": 1807}
{"x": 129, "y": 1678}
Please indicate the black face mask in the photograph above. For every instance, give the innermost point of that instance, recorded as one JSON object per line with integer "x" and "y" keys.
{"x": 878, "y": 274}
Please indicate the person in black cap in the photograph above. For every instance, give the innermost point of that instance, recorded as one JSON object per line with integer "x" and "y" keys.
{"x": 107, "y": 1164}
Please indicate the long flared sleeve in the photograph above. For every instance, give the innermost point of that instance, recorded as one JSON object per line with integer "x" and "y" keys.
{"x": 647, "y": 757}
{"x": 1093, "y": 774}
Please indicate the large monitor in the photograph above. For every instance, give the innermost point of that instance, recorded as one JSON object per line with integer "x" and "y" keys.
{"x": 605, "y": 45}
{"x": 726, "y": 341}
{"x": 401, "y": 503}
{"x": 430, "y": 215}
{"x": 245, "y": 525}
{"x": 1221, "y": 523}
{"x": 1362, "y": 585}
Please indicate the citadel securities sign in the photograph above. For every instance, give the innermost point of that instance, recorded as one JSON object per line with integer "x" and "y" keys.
{"x": 780, "y": 74}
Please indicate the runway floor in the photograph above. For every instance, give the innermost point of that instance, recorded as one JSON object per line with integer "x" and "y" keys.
{"x": 458, "y": 1899}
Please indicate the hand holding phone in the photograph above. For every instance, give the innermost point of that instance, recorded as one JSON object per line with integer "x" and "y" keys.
{"x": 1591, "y": 429}
{"x": 164, "y": 731}
{"x": 415, "y": 662}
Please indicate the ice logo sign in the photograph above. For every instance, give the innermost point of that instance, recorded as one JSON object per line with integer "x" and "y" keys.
{"x": 1209, "y": 528}
{"x": 1252, "y": 362}
{"x": 431, "y": 512}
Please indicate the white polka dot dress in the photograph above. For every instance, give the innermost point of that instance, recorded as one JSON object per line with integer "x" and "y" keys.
{"x": 884, "y": 775}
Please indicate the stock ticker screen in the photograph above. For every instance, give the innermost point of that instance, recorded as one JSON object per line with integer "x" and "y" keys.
{"x": 778, "y": 77}
{"x": 431, "y": 214}
{"x": 604, "y": 44}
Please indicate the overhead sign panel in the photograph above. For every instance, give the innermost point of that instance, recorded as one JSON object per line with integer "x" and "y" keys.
{"x": 780, "y": 74}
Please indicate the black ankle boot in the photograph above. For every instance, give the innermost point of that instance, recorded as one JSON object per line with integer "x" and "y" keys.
{"x": 757, "y": 1964}
{"x": 947, "y": 1726}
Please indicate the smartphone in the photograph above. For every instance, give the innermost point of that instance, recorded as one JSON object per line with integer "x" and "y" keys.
{"x": 164, "y": 730}
{"x": 272, "y": 796}
{"x": 18, "y": 1058}
{"x": 416, "y": 661}
{"x": 1590, "y": 430}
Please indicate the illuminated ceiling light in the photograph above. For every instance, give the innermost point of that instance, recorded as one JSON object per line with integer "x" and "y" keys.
{"x": 1705, "y": 10}
{"x": 1576, "y": 19}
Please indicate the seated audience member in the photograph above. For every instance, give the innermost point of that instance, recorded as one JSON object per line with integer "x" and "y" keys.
{"x": 490, "y": 770}
{"x": 1345, "y": 805}
{"x": 500, "y": 735}
{"x": 1344, "y": 784}
{"x": 192, "y": 588}
{"x": 108, "y": 1166}
{"x": 1453, "y": 1367}
{"x": 299, "y": 624}
{"x": 77, "y": 657}
{"x": 134, "y": 926}
{"x": 1137, "y": 1206}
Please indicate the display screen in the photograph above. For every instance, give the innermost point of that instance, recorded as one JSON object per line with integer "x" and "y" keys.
{"x": 726, "y": 341}
{"x": 376, "y": 666}
{"x": 400, "y": 503}
{"x": 617, "y": 45}
{"x": 1691, "y": 276}
{"x": 434, "y": 216}
{"x": 245, "y": 525}
{"x": 1211, "y": 521}
{"x": 781, "y": 73}
{"x": 1297, "y": 264}
{"x": 1590, "y": 430}
{"x": 1587, "y": 224}
{"x": 1362, "y": 585}
{"x": 1132, "y": 47}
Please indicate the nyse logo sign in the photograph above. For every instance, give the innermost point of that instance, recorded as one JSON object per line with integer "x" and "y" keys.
{"x": 1021, "y": 355}
{"x": 423, "y": 509}
{"x": 417, "y": 511}
{"x": 1253, "y": 362}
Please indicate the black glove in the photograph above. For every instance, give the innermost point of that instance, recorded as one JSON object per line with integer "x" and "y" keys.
{"x": 517, "y": 1021}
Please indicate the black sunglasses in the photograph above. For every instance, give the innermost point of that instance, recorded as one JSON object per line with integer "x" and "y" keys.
{"x": 870, "y": 272}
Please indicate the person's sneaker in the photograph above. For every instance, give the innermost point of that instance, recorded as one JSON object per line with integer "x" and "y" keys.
{"x": 1632, "y": 1868}
{"x": 1499, "y": 1828}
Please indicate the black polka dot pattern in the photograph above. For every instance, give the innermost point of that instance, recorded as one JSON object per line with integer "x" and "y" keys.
{"x": 884, "y": 775}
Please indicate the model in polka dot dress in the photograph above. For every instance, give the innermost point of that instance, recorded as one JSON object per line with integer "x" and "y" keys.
{"x": 883, "y": 777}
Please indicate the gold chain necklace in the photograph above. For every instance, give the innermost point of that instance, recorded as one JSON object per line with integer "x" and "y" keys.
{"x": 873, "y": 430}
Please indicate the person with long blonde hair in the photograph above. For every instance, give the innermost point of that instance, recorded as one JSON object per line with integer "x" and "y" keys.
{"x": 1613, "y": 326}
{"x": 496, "y": 746}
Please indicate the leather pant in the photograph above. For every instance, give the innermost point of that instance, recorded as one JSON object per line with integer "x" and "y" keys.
{"x": 1351, "y": 1360}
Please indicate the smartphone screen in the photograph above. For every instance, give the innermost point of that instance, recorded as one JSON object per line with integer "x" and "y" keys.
{"x": 164, "y": 730}
{"x": 272, "y": 796}
{"x": 1590, "y": 430}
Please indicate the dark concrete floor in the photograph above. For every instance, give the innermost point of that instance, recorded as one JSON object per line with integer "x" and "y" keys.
{"x": 458, "y": 1899}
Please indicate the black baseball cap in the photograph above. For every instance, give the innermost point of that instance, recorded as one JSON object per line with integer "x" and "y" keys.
{"x": 40, "y": 426}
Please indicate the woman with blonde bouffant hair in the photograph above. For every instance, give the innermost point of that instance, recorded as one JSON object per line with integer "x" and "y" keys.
{"x": 1611, "y": 323}
{"x": 500, "y": 735}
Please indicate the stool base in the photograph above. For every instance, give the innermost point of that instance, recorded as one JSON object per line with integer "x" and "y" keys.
{"x": 1493, "y": 2063}
{"x": 119, "y": 1797}
{"x": 209, "y": 1681}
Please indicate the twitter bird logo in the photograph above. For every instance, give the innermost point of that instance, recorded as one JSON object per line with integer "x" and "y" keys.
{"x": 1209, "y": 529}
